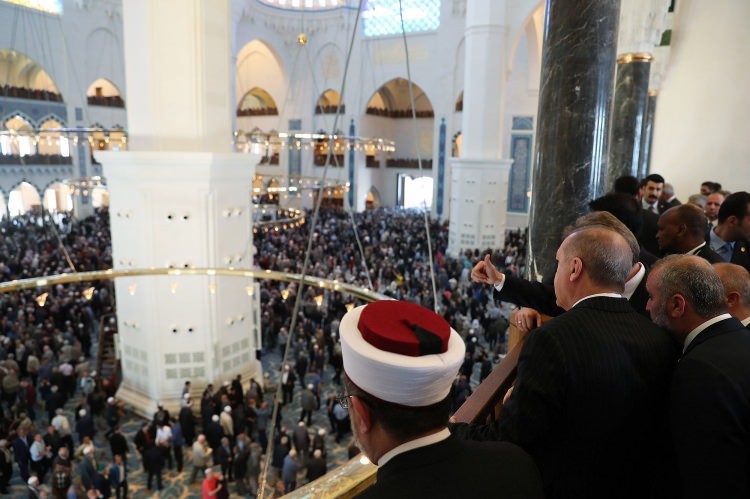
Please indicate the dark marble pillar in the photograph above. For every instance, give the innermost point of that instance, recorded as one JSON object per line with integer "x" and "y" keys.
{"x": 578, "y": 66}
{"x": 647, "y": 134}
{"x": 628, "y": 116}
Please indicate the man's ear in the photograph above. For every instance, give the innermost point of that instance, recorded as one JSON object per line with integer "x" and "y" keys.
{"x": 733, "y": 299}
{"x": 676, "y": 306}
{"x": 576, "y": 269}
{"x": 364, "y": 419}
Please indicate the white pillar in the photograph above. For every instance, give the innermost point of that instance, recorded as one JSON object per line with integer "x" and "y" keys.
{"x": 179, "y": 198}
{"x": 479, "y": 178}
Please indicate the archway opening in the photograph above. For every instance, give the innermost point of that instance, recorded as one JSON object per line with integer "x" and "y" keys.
{"x": 52, "y": 142}
{"x": 22, "y": 77}
{"x": 372, "y": 200}
{"x": 415, "y": 192}
{"x": 103, "y": 92}
{"x": 20, "y": 141}
{"x": 257, "y": 102}
{"x": 58, "y": 198}
{"x": 328, "y": 103}
{"x": 24, "y": 199}
{"x": 393, "y": 101}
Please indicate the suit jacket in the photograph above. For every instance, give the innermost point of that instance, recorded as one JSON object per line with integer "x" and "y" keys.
{"x": 741, "y": 254}
{"x": 710, "y": 413}
{"x": 710, "y": 255}
{"x": 454, "y": 468}
{"x": 647, "y": 234}
{"x": 541, "y": 296}
{"x": 590, "y": 402}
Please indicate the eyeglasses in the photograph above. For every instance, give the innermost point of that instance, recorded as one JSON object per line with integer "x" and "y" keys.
{"x": 343, "y": 400}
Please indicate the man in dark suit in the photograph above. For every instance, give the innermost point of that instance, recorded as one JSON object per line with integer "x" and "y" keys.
{"x": 730, "y": 236}
{"x": 710, "y": 395}
{"x": 736, "y": 282}
{"x": 668, "y": 198}
{"x": 399, "y": 363}
{"x": 22, "y": 453}
{"x": 682, "y": 230}
{"x": 541, "y": 296}
{"x": 589, "y": 402}
{"x": 651, "y": 189}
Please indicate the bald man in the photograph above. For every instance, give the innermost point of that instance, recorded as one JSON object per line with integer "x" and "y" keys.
{"x": 682, "y": 230}
{"x": 589, "y": 403}
{"x": 736, "y": 282}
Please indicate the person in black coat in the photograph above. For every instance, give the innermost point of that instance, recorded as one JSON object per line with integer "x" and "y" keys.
{"x": 153, "y": 462}
{"x": 85, "y": 425}
{"x": 541, "y": 296}
{"x": 6, "y": 466}
{"x": 187, "y": 421}
{"x": 316, "y": 466}
{"x": 682, "y": 230}
{"x": 589, "y": 402}
{"x": 118, "y": 444}
{"x": 21, "y": 452}
{"x": 214, "y": 433}
{"x": 710, "y": 395}
{"x": 403, "y": 429}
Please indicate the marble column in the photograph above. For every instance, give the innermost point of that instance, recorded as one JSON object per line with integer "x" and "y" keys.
{"x": 479, "y": 178}
{"x": 578, "y": 65}
{"x": 647, "y": 135}
{"x": 628, "y": 116}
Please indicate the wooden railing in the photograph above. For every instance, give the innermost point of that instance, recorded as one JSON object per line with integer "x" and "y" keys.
{"x": 482, "y": 406}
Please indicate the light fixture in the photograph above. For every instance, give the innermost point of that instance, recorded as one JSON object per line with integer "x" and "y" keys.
{"x": 41, "y": 299}
{"x": 88, "y": 293}
{"x": 132, "y": 288}
{"x": 319, "y": 300}
{"x": 349, "y": 307}
{"x": 173, "y": 288}
{"x": 302, "y": 39}
{"x": 284, "y": 294}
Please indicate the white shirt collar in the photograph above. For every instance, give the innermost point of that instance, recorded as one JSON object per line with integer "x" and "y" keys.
{"x": 632, "y": 283}
{"x": 695, "y": 250}
{"x": 745, "y": 321}
{"x": 430, "y": 439}
{"x": 695, "y": 332}
{"x": 608, "y": 295}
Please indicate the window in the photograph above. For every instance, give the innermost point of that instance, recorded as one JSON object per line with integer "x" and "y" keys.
{"x": 50, "y": 6}
{"x": 381, "y": 17}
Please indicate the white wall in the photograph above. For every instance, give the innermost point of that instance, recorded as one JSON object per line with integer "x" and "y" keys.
{"x": 701, "y": 125}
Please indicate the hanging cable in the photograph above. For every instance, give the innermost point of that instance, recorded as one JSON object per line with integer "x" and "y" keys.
{"x": 300, "y": 288}
{"x": 419, "y": 156}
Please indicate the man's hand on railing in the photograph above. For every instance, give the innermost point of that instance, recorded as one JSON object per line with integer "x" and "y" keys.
{"x": 486, "y": 272}
{"x": 508, "y": 394}
{"x": 527, "y": 319}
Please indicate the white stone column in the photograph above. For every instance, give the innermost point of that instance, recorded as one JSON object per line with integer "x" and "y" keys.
{"x": 179, "y": 198}
{"x": 479, "y": 178}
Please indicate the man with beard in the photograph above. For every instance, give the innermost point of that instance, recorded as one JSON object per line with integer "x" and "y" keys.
{"x": 400, "y": 360}
{"x": 710, "y": 396}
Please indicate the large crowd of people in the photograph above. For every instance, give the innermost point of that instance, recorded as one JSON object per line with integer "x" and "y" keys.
{"x": 61, "y": 427}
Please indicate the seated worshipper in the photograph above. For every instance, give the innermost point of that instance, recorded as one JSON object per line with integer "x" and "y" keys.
{"x": 710, "y": 395}
{"x": 541, "y": 296}
{"x": 736, "y": 281}
{"x": 400, "y": 360}
{"x": 682, "y": 230}
{"x": 590, "y": 397}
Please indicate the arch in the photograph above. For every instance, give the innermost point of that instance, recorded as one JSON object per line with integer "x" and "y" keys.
{"x": 392, "y": 100}
{"x": 259, "y": 66}
{"x": 460, "y": 102}
{"x": 103, "y": 92}
{"x": 257, "y": 102}
{"x": 52, "y": 142}
{"x": 22, "y": 142}
{"x": 57, "y": 198}
{"x": 23, "y": 198}
{"x": 456, "y": 144}
{"x": 532, "y": 28}
{"x": 328, "y": 102}
{"x": 372, "y": 199}
{"x": 23, "y": 77}
{"x": 3, "y": 205}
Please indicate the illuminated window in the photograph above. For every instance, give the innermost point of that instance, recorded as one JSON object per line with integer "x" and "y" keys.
{"x": 51, "y": 6}
{"x": 381, "y": 17}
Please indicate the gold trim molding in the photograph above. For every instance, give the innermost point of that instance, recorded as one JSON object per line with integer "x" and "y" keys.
{"x": 634, "y": 57}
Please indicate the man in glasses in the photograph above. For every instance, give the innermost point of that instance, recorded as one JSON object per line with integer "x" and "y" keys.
{"x": 400, "y": 361}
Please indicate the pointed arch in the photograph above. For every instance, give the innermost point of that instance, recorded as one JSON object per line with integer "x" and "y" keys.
{"x": 373, "y": 199}
{"x": 23, "y": 198}
{"x": 328, "y": 103}
{"x": 259, "y": 66}
{"x": 23, "y": 77}
{"x": 392, "y": 100}
{"x": 257, "y": 102}
{"x": 103, "y": 92}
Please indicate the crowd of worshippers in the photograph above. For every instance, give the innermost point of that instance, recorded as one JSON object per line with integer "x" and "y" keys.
{"x": 45, "y": 351}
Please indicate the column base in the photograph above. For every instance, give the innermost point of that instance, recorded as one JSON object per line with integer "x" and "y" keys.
{"x": 479, "y": 204}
